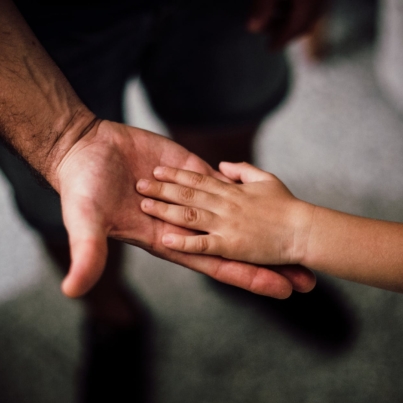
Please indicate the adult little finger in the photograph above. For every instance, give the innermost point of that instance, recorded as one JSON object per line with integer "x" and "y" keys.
{"x": 198, "y": 244}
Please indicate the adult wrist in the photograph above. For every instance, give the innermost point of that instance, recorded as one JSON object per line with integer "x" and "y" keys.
{"x": 41, "y": 116}
{"x": 81, "y": 123}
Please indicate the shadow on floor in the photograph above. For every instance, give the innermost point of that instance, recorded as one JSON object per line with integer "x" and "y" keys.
{"x": 322, "y": 319}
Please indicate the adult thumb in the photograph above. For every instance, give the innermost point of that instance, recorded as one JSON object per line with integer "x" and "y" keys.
{"x": 88, "y": 249}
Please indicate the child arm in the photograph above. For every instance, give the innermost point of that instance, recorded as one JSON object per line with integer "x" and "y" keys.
{"x": 260, "y": 221}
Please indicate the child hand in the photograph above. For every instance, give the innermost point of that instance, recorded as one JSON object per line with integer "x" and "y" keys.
{"x": 258, "y": 221}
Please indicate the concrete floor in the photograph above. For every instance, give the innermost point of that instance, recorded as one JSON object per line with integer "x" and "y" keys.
{"x": 336, "y": 142}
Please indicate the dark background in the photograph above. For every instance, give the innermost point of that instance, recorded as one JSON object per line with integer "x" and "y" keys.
{"x": 338, "y": 142}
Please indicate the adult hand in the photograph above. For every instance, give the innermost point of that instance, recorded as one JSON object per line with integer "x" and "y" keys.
{"x": 284, "y": 20}
{"x": 97, "y": 180}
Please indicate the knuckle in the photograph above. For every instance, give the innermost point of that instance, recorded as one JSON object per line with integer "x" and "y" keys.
{"x": 236, "y": 190}
{"x": 184, "y": 244}
{"x": 186, "y": 194}
{"x": 232, "y": 208}
{"x": 191, "y": 215}
{"x": 201, "y": 244}
{"x": 173, "y": 172}
{"x": 196, "y": 179}
{"x": 160, "y": 188}
{"x": 232, "y": 191}
{"x": 162, "y": 208}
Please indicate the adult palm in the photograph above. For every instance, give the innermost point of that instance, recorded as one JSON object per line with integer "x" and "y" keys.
{"x": 97, "y": 183}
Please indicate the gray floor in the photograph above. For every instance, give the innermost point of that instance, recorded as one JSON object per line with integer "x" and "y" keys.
{"x": 337, "y": 143}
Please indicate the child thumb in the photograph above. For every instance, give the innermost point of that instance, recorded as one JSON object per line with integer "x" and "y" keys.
{"x": 243, "y": 172}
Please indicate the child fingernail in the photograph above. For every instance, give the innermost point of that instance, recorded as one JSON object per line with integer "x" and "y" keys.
{"x": 158, "y": 171}
{"x": 167, "y": 239}
{"x": 143, "y": 184}
{"x": 147, "y": 203}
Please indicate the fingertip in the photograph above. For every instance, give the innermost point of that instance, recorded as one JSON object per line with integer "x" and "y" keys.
{"x": 222, "y": 165}
{"x": 88, "y": 261}
{"x": 142, "y": 185}
{"x": 146, "y": 204}
{"x": 230, "y": 171}
{"x": 168, "y": 239}
{"x": 279, "y": 287}
{"x": 225, "y": 163}
{"x": 286, "y": 292}
{"x": 302, "y": 279}
{"x": 307, "y": 284}
{"x": 76, "y": 284}
{"x": 159, "y": 171}
{"x": 69, "y": 290}
{"x": 243, "y": 171}
{"x": 225, "y": 166}
{"x": 80, "y": 281}
{"x": 304, "y": 282}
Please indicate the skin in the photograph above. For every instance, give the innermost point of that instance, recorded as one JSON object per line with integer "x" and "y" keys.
{"x": 94, "y": 165}
{"x": 99, "y": 199}
{"x": 258, "y": 220}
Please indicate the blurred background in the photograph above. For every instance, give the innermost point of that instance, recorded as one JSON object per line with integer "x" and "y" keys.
{"x": 337, "y": 141}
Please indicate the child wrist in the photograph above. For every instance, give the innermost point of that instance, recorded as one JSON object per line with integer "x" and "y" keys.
{"x": 302, "y": 219}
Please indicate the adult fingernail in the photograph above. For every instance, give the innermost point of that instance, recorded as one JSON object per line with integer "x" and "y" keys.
{"x": 143, "y": 184}
{"x": 167, "y": 239}
{"x": 159, "y": 171}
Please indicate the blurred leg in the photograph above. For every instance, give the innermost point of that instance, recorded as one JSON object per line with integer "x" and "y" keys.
{"x": 212, "y": 82}
{"x": 233, "y": 144}
{"x": 97, "y": 50}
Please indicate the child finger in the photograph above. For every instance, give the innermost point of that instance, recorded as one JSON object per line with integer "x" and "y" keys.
{"x": 244, "y": 172}
{"x": 177, "y": 194}
{"x": 199, "y": 244}
{"x": 187, "y": 217}
{"x": 190, "y": 179}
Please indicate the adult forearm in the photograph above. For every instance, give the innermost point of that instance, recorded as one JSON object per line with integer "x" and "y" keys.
{"x": 40, "y": 114}
{"x": 357, "y": 249}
